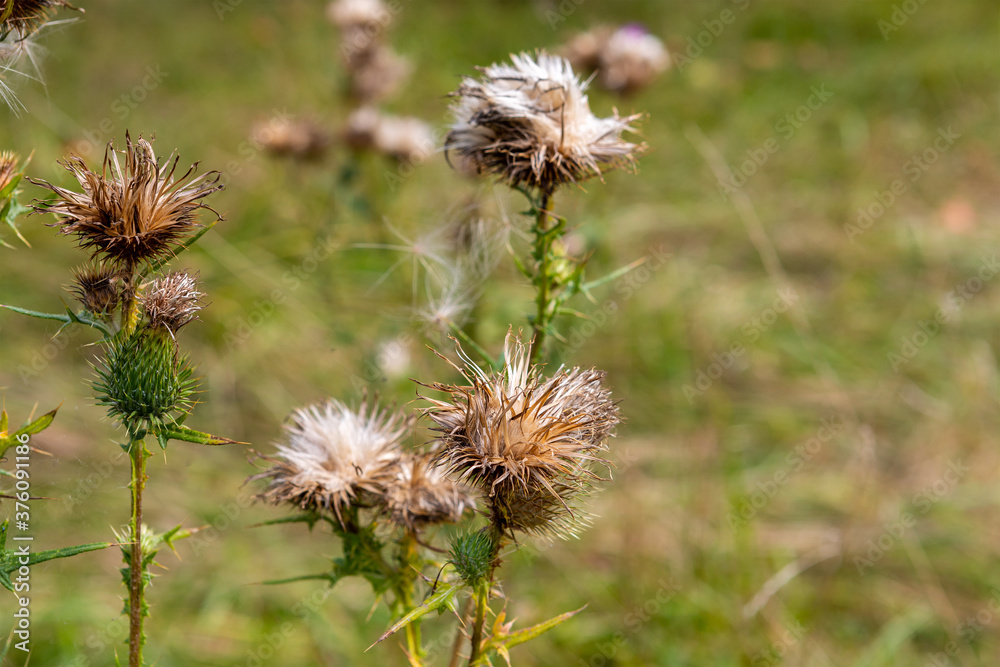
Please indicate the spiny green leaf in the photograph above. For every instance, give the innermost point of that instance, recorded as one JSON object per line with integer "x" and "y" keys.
{"x": 441, "y": 598}
{"x": 524, "y": 635}
{"x": 178, "y": 432}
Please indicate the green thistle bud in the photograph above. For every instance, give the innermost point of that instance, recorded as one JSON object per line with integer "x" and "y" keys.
{"x": 471, "y": 554}
{"x": 143, "y": 379}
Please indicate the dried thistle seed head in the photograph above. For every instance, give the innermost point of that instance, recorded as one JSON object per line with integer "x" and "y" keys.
{"x": 377, "y": 74}
{"x": 421, "y": 494}
{"x": 365, "y": 15}
{"x": 171, "y": 301}
{"x": 530, "y": 123}
{"x": 143, "y": 379}
{"x": 301, "y": 139}
{"x": 631, "y": 59}
{"x": 334, "y": 455}
{"x": 527, "y": 441}
{"x": 98, "y": 288}
{"x": 404, "y": 138}
{"x": 131, "y": 215}
{"x": 23, "y": 17}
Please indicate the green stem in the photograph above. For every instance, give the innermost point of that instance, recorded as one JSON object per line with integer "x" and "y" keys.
{"x": 468, "y": 340}
{"x": 482, "y": 592}
{"x": 404, "y": 594}
{"x": 457, "y": 645}
{"x": 543, "y": 281}
{"x": 137, "y": 452}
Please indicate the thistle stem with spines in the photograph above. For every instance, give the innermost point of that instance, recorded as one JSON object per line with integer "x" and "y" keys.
{"x": 137, "y": 611}
{"x": 481, "y": 591}
{"x": 544, "y": 281}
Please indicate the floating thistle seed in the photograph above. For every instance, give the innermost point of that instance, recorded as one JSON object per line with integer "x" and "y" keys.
{"x": 421, "y": 494}
{"x": 526, "y": 441}
{"x": 99, "y": 289}
{"x": 131, "y": 215}
{"x": 336, "y": 457}
{"x": 143, "y": 379}
{"x": 172, "y": 301}
{"x": 530, "y": 123}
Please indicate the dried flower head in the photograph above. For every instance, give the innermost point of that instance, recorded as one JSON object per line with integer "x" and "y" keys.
{"x": 23, "y": 17}
{"x": 8, "y": 168}
{"x": 404, "y": 138}
{"x": 530, "y": 123}
{"x": 631, "y": 59}
{"x": 365, "y": 15}
{"x": 626, "y": 59}
{"x": 99, "y": 289}
{"x": 131, "y": 215}
{"x": 376, "y": 74}
{"x": 526, "y": 441}
{"x": 335, "y": 456}
{"x": 297, "y": 138}
{"x": 172, "y": 301}
{"x": 422, "y": 494}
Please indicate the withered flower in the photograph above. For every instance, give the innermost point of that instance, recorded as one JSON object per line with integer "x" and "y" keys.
{"x": 405, "y": 138}
{"x": 626, "y": 59}
{"x": 528, "y": 442}
{"x": 530, "y": 123}
{"x": 297, "y": 138}
{"x": 8, "y": 168}
{"x": 421, "y": 494}
{"x": 171, "y": 301}
{"x": 24, "y": 17}
{"x": 132, "y": 215}
{"x": 99, "y": 289}
{"x": 335, "y": 457}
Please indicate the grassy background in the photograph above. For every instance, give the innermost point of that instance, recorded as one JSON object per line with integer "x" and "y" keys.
{"x": 669, "y": 569}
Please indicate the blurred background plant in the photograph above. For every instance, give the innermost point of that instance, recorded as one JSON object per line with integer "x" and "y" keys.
{"x": 729, "y": 488}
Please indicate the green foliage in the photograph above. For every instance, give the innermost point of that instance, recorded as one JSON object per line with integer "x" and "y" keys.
{"x": 13, "y": 559}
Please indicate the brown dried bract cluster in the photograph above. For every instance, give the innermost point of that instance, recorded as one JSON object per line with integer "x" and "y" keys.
{"x": 376, "y": 70}
{"x": 301, "y": 139}
{"x": 336, "y": 458}
{"x": 172, "y": 301}
{"x": 529, "y": 123}
{"x": 626, "y": 59}
{"x": 133, "y": 215}
{"x": 98, "y": 289}
{"x": 529, "y": 443}
{"x": 8, "y": 168}
{"x": 23, "y": 17}
{"x": 421, "y": 494}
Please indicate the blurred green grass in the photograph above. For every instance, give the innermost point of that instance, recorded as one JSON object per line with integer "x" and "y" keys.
{"x": 666, "y": 577}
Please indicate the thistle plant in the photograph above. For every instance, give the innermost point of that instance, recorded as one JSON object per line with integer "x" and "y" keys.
{"x": 525, "y": 447}
{"x": 132, "y": 218}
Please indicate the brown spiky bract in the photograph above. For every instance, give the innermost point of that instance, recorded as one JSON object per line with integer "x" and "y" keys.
{"x": 99, "y": 289}
{"x": 8, "y": 168}
{"x": 421, "y": 494}
{"x": 172, "y": 301}
{"x": 24, "y": 17}
{"x": 132, "y": 215}
{"x": 529, "y": 123}
{"x": 336, "y": 457}
{"x": 528, "y": 442}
